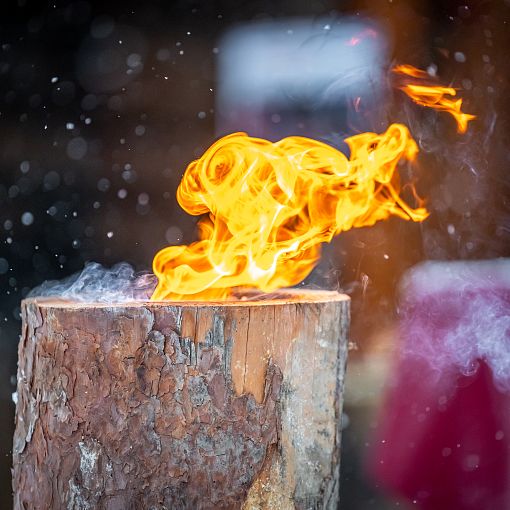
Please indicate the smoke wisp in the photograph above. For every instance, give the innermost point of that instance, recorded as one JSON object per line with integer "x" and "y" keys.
{"x": 455, "y": 314}
{"x": 96, "y": 283}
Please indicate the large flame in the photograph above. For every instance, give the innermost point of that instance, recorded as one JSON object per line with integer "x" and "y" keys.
{"x": 269, "y": 206}
{"x": 433, "y": 96}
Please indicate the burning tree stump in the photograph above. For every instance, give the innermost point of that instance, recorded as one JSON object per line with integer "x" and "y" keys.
{"x": 181, "y": 405}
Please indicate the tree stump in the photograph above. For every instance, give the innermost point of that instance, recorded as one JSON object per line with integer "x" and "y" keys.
{"x": 231, "y": 405}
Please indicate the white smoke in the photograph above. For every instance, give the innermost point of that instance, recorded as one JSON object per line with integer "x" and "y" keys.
{"x": 455, "y": 314}
{"x": 96, "y": 283}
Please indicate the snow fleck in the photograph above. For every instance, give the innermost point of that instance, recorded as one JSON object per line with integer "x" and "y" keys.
{"x": 173, "y": 235}
{"x": 51, "y": 181}
{"x": 24, "y": 167}
{"x": 109, "y": 234}
{"x": 432, "y": 70}
{"x": 77, "y": 148}
{"x": 134, "y": 60}
{"x": 143, "y": 198}
{"x": 129, "y": 176}
{"x": 103, "y": 184}
{"x": 27, "y": 218}
{"x": 471, "y": 462}
{"x": 459, "y": 56}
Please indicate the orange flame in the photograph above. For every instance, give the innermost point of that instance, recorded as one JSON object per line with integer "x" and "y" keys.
{"x": 269, "y": 206}
{"x": 433, "y": 96}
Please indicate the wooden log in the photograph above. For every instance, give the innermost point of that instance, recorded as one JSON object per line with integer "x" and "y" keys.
{"x": 181, "y": 405}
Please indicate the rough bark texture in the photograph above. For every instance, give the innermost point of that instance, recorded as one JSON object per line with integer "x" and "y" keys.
{"x": 159, "y": 406}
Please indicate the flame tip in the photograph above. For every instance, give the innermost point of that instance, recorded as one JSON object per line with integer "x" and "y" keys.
{"x": 433, "y": 96}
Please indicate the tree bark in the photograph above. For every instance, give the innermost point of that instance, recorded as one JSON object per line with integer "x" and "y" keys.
{"x": 181, "y": 405}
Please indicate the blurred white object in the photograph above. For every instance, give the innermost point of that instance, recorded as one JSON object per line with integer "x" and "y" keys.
{"x": 299, "y": 68}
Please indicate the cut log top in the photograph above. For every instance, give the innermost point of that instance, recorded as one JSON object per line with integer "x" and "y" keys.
{"x": 248, "y": 298}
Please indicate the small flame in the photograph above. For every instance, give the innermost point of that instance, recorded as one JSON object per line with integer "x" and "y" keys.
{"x": 269, "y": 206}
{"x": 433, "y": 96}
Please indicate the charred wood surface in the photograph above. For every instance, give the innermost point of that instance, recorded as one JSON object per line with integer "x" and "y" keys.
{"x": 180, "y": 406}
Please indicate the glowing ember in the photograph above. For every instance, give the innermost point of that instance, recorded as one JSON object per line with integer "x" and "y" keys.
{"x": 433, "y": 96}
{"x": 268, "y": 207}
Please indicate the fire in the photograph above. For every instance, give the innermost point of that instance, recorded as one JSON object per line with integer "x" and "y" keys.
{"x": 269, "y": 206}
{"x": 434, "y": 96}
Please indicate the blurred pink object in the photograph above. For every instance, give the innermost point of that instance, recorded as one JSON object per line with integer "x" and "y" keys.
{"x": 443, "y": 440}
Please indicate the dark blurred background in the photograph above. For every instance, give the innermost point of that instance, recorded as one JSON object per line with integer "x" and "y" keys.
{"x": 103, "y": 104}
